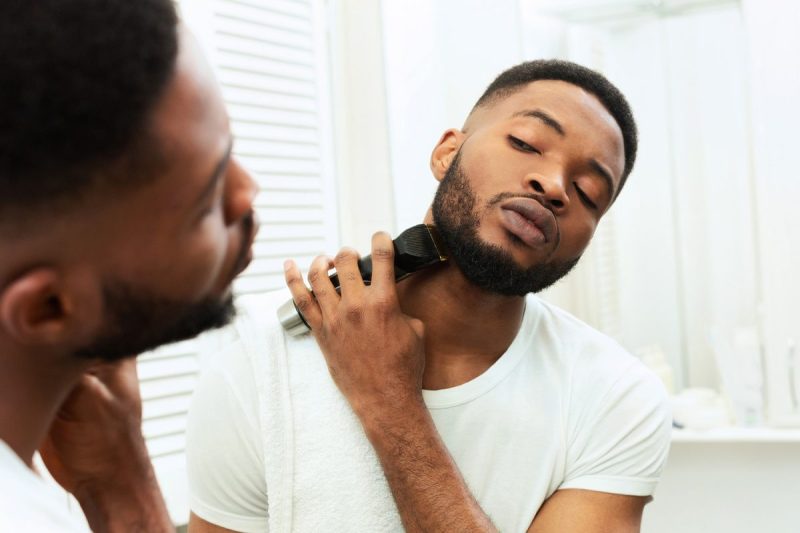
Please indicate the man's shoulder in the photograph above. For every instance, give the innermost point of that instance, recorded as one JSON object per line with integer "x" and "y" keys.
{"x": 595, "y": 363}
{"x": 29, "y": 502}
{"x": 258, "y": 336}
{"x": 262, "y": 306}
{"x": 571, "y": 337}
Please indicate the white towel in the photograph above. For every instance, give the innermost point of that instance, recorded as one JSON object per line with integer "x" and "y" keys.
{"x": 321, "y": 471}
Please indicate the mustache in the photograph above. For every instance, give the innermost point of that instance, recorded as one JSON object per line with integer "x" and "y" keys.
{"x": 497, "y": 198}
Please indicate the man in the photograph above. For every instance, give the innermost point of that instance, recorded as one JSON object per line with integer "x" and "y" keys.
{"x": 123, "y": 221}
{"x": 508, "y": 414}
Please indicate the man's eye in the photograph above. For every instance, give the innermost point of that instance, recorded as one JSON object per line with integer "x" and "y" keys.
{"x": 585, "y": 199}
{"x": 521, "y": 145}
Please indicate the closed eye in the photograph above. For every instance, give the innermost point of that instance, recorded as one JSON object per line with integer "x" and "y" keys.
{"x": 585, "y": 199}
{"x": 521, "y": 145}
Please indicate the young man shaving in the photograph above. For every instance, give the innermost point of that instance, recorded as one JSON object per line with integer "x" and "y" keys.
{"x": 507, "y": 413}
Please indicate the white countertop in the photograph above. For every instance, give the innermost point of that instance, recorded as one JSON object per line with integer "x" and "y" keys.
{"x": 737, "y": 435}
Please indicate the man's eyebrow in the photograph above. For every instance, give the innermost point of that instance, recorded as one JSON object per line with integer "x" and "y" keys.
{"x": 601, "y": 171}
{"x": 215, "y": 175}
{"x": 544, "y": 117}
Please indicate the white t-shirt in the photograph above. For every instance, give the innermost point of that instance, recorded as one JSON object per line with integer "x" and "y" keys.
{"x": 564, "y": 407}
{"x": 28, "y": 503}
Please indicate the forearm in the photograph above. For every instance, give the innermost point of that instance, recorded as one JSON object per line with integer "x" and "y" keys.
{"x": 131, "y": 502}
{"x": 429, "y": 491}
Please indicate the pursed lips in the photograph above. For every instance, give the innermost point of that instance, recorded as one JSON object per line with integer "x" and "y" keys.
{"x": 535, "y": 213}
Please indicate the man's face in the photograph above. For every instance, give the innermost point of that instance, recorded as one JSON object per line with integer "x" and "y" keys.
{"x": 168, "y": 251}
{"x": 523, "y": 194}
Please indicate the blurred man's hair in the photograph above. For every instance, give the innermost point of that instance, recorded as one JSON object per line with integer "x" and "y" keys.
{"x": 78, "y": 82}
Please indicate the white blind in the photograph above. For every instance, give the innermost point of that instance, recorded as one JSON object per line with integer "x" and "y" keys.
{"x": 269, "y": 58}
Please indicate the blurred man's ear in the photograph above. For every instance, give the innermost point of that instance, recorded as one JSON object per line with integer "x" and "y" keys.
{"x": 445, "y": 151}
{"x": 44, "y": 309}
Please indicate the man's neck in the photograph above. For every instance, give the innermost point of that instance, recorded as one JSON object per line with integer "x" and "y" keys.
{"x": 466, "y": 328}
{"x": 32, "y": 388}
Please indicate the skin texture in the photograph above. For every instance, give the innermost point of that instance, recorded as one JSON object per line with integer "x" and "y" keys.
{"x": 385, "y": 342}
{"x": 179, "y": 236}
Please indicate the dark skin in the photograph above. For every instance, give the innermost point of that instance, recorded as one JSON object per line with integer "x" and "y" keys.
{"x": 179, "y": 236}
{"x": 384, "y": 342}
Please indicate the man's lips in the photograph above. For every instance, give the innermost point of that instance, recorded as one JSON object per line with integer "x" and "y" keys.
{"x": 530, "y": 221}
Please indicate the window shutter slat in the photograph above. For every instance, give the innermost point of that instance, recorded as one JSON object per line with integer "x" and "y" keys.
{"x": 267, "y": 58}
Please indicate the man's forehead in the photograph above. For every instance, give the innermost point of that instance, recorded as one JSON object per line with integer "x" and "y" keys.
{"x": 571, "y": 108}
{"x": 553, "y": 96}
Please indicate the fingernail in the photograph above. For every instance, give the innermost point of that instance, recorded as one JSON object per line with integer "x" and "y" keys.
{"x": 287, "y": 265}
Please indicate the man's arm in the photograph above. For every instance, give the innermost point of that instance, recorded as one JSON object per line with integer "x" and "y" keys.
{"x": 198, "y": 525}
{"x": 96, "y": 451}
{"x": 375, "y": 355}
{"x": 586, "y": 511}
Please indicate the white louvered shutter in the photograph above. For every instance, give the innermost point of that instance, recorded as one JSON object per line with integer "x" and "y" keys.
{"x": 270, "y": 60}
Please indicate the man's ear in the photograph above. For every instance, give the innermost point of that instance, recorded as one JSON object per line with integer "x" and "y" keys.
{"x": 44, "y": 308}
{"x": 445, "y": 151}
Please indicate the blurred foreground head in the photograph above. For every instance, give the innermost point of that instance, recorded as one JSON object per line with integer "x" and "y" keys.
{"x": 123, "y": 217}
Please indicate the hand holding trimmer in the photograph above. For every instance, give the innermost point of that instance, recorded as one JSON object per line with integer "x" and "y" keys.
{"x": 417, "y": 248}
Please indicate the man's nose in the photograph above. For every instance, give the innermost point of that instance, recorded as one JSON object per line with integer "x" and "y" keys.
{"x": 552, "y": 188}
{"x": 240, "y": 193}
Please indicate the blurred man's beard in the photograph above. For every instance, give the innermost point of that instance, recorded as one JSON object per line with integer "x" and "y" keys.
{"x": 487, "y": 266}
{"x": 138, "y": 322}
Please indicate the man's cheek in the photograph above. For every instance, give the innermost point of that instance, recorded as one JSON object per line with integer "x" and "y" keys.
{"x": 575, "y": 236}
{"x": 203, "y": 263}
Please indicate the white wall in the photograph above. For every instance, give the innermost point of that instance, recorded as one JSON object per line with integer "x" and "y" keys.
{"x": 687, "y": 224}
{"x": 365, "y": 192}
{"x": 774, "y": 45}
{"x": 439, "y": 57}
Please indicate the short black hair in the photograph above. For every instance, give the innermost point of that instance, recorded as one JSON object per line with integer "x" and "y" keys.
{"x": 591, "y": 81}
{"x": 78, "y": 81}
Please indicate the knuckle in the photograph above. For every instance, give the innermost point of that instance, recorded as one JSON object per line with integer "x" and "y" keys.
{"x": 354, "y": 313}
{"x": 383, "y": 303}
{"x": 314, "y": 275}
{"x": 382, "y": 252}
{"x": 303, "y": 303}
{"x": 321, "y": 294}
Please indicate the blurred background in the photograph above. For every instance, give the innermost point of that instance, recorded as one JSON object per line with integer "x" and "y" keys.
{"x": 337, "y": 104}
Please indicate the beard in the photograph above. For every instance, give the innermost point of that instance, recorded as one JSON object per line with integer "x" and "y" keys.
{"x": 138, "y": 321}
{"x": 485, "y": 265}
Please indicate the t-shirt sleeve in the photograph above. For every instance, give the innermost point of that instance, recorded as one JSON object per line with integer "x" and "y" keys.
{"x": 227, "y": 485}
{"x": 619, "y": 440}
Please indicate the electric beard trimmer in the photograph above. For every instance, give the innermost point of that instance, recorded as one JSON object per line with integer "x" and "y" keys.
{"x": 417, "y": 248}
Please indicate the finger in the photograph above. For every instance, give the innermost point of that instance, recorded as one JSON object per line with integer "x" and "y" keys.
{"x": 302, "y": 297}
{"x": 117, "y": 374}
{"x": 350, "y": 282}
{"x": 326, "y": 295}
{"x": 418, "y": 326}
{"x": 383, "y": 266}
